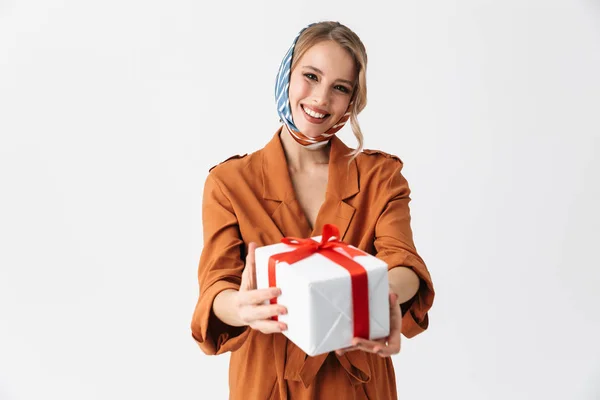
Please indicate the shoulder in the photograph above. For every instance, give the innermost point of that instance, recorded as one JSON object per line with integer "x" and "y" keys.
{"x": 230, "y": 171}
{"x": 381, "y": 156}
{"x": 231, "y": 161}
{"x": 237, "y": 170}
{"x": 382, "y": 169}
{"x": 378, "y": 168}
{"x": 378, "y": 161}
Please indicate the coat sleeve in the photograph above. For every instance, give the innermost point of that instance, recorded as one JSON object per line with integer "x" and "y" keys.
{"x": 220, "y": 268}
{"x": 394, "y": 244}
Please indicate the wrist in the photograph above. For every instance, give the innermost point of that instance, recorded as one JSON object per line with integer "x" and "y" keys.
{"x": 404, "y": 282}
{"x": 225, "y": 307}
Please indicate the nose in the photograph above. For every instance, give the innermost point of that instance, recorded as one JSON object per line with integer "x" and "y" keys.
{"x": 320, "y": 95}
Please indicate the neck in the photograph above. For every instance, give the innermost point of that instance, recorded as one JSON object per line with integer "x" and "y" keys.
{"x": 299, "y": 158}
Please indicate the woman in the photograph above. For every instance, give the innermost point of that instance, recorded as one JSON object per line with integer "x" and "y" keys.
{"x": 304, "y": 178}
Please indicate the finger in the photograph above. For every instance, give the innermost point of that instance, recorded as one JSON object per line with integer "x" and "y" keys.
{"x": 373, "y": 346}
{"x": 244, "y": 284}
{"x": 377, "y": 348}
{"x": 267, "y": 326}
{"x": 385, "y": 352}
{"x": 357, "y": 340}
{"x": 394, "y": 338}
{"x": 369, "y": 345}
{"x": 340, "y": 352}
{"x": 257, "y": 296}
{"x": 345, "y": 350}
{"x": 251, "y": 266}
{"x": 366, "y": 347}
{"x": 394, "y": 306}
{"x": 252, "y": 313}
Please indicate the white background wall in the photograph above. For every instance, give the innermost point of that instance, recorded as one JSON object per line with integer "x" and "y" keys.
{"x": 112, "y": 112}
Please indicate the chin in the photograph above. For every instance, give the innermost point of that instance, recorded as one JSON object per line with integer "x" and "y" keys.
{"x": 311, "y": 133}
{"x": 311, "y": 130}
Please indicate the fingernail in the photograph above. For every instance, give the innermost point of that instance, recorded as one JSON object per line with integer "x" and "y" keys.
{"x": 283, "y": 311}
{"x": 283, "y": 326}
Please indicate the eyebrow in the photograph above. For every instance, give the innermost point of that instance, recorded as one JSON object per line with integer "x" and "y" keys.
{"x": 321, "y": 72}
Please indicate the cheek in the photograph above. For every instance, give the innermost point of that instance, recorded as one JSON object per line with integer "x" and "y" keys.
{"x": 299, "y": 89}
{"x": 341, "y": 105}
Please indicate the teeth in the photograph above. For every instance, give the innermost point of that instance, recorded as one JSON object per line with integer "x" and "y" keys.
{"x": 312, "y": 113}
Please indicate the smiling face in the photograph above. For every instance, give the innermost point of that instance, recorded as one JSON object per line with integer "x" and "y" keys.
{"x": 321, "y": 87}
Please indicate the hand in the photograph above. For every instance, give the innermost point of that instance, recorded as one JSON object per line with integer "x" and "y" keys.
{"x": 385, "y": 347}
{"x": 249, "y": 301}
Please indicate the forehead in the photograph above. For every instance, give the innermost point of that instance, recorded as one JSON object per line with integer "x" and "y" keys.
{"x": 331, "y": 58}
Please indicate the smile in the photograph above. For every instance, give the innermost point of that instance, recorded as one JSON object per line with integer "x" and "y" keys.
{"x": 313, "y": 113}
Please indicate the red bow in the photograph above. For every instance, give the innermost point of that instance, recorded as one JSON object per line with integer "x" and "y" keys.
{"x": 333, "y": 248}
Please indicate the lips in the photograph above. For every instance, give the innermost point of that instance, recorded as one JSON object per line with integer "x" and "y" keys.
{"x": 314, "y": 120}
{"x": 315, "y": 109}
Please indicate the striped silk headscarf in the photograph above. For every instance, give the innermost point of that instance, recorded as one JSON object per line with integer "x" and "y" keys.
{"x": 282, "y": 99}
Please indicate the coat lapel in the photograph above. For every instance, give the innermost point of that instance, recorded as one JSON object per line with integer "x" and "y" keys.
{"x": 342, "y": 183}
{"x": 277, "y": 186}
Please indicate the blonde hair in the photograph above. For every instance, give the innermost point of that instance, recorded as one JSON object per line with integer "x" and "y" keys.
{"x": 347, "y": 39}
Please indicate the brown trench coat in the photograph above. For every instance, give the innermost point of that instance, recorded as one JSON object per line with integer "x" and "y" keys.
{"x": 251, "y": 199}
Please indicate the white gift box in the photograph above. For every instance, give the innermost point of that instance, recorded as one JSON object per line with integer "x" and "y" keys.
{"x": 317, "y": 293}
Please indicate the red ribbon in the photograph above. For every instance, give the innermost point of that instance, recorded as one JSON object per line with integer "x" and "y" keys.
{"x": 331, "y": 247}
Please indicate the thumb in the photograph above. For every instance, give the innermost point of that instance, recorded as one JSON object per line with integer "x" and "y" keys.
{"x": 249, "y": 274}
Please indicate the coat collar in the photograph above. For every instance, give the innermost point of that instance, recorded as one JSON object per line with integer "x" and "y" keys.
{"x": 342, "y": 181}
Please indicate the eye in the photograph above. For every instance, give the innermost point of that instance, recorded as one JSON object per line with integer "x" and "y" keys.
{"x": 342, "y": 89}
{"x": 311, "y": 76}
